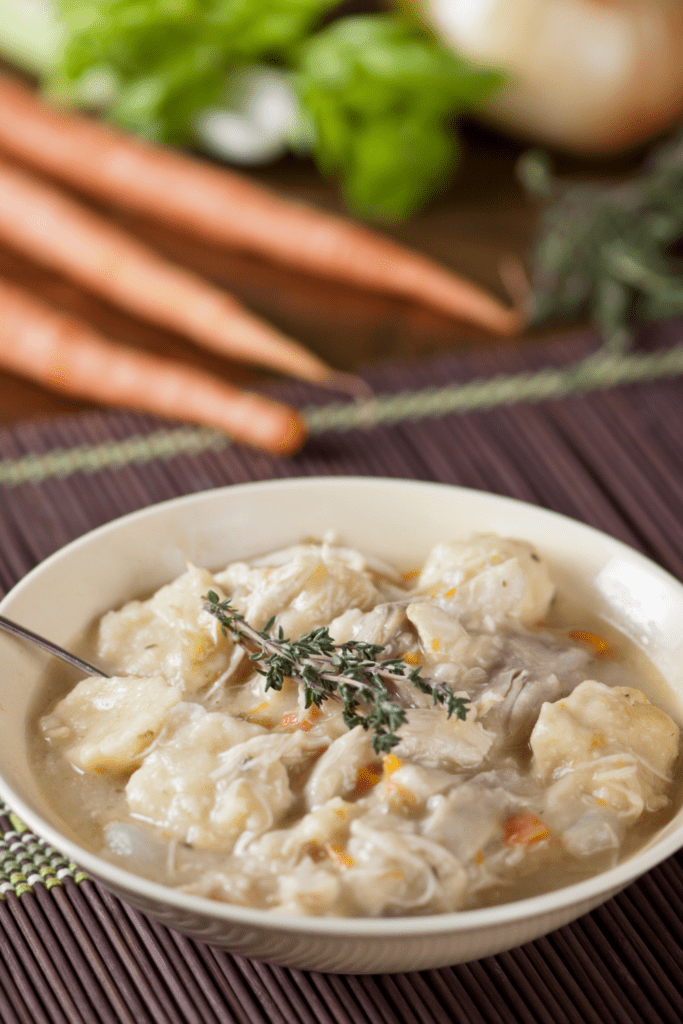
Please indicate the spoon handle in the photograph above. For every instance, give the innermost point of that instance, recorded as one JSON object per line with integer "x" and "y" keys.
{"x": 59, "y": 652}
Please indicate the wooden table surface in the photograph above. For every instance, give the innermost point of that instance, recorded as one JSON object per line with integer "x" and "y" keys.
{"x": 481, "y": 218}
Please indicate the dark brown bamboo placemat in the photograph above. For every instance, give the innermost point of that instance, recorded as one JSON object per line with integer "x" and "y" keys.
{"x": 609, "y": 455}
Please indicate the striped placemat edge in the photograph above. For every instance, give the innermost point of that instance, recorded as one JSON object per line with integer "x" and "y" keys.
{"x": 598, "y": 371}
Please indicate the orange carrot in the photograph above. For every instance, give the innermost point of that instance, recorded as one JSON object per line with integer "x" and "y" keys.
{"x": 339, "y": 856}
{"x": 225, "y": 207}
{"x": 367, "y": 777}
{"x": 524, "y": 829}
{"x": 62, "y": 234}
{"x": 56, "y": 350}
{"x": 601, "y": 648}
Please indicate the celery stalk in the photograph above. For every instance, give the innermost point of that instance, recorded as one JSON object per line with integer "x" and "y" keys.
{"x": 31, "y": 34}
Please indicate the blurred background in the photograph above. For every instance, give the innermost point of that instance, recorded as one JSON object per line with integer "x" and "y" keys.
{"x": 410, "y": 118}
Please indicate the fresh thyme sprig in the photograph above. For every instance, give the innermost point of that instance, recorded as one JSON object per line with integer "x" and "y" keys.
{"x": 348, "y": 672}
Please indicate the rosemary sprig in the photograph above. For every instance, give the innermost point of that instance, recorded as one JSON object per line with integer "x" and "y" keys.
{"x": 604, "y": 249}
{"x": 348, "y": 672}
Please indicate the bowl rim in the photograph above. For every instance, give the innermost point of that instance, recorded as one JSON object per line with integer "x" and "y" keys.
{"x": 586, "y": 892}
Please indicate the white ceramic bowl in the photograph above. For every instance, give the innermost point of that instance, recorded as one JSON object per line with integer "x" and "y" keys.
{"x": 395, "y": 519}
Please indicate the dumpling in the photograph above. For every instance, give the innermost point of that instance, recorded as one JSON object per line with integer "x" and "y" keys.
{"x": 107, "y": 724}
{"x": 595, "y": 721}
{"x": 320, "y": 834}
{"x": 211, "y": 778}
{"x": 487, "y": 580}
{"x": 391, "y": 872}
{"x": 607, "y": 755}
{"x": 308, "y": 591}
{"x": 170, "y": 634}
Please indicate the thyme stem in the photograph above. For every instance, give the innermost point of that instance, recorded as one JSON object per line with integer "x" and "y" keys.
{"x": 348, "y": 672}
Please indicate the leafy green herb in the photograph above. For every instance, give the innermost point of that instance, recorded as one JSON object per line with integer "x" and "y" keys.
{"x": 604, "y": 250}
{"x": 169, "y": 59}
{"x": 348, "y": 672}
{"x": 382, "y": 96}
{"x": 377, "y": 93}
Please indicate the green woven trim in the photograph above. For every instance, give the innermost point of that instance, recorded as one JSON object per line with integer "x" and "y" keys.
{"x": 62, "y": 462}
{"x": 597, "y": 372}
{"x": 26, "y": 860}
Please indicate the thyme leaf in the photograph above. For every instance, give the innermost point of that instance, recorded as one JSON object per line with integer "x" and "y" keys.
{"x": 349, "y": 672}
{"x": 605, "y": 249}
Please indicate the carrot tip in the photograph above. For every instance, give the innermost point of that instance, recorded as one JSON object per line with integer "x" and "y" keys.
{"x": 284, "y": 435}
{"x": 356, "y": 388}
{"x": 516, "y": 283}
{"x": 348, "y": 384}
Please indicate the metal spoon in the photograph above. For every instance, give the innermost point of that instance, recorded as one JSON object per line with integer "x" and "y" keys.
{"x": 47, "y": 645}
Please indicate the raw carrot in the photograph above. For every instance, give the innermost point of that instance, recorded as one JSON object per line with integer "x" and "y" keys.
{"x": 64, "y": 355}
{"x": 225, "y": 207}
{"x": 62, "y": 234}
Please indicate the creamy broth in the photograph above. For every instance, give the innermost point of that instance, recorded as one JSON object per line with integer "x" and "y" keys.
{"x": 183, "y": 769}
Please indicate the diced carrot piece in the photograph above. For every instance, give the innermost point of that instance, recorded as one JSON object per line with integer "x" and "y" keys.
{"x": 340, "y": 858}
{"x": 398, "y": 794}
{"x": 294, "y": 721}
{"x": 524, "y": 829}
{"x": 601, "y": 648}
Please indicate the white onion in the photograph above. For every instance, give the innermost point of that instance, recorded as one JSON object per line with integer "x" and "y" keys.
{"x": 589, "y": 76}
{"x": 259, "y": 120}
